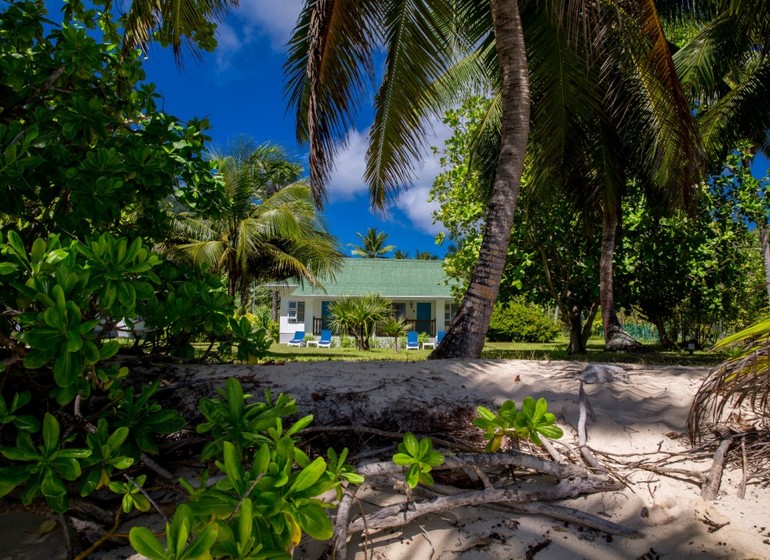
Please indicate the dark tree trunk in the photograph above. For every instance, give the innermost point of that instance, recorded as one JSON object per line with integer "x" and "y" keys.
{"x": 660, "y": 325}
{"x": 616, "y": 339}
{"x": 465, "y": 337}
{"x": 275, "y": 305}
{"x": 579, "y": 331}
{"x": 576, "y": 345}
{"x": 764, "y": 244}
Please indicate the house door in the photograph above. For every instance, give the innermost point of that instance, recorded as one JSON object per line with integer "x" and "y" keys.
{"x": 325, "y": 314}
{"x": 424, "y": 318}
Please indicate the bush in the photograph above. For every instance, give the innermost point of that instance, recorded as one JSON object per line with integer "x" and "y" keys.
{"x": 521, "y": 322}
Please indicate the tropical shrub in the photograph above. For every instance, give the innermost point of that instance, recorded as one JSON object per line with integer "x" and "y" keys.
{"x": 359, "y": 317}
{"x": 521, "y": 322}
{"x": 530, "y": 422}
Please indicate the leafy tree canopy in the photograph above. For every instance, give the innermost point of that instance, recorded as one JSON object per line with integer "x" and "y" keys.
{"x": 83, "y": 145}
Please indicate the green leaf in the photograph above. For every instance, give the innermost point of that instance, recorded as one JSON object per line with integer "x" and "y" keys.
{"x": 540, "y": 409}
{"x": 403, "y": 459}
{"x": 201, "y": 544}
{"x": 7, "y": 268}
{"x": 413, "y": 475}
{"x": 109, "y": 349}
{"x": 10, "y": 478}
{"x": 50, "y": 433}
{"x": 315, "y": 522}
{"x": 52, "y": 485}
{"x": 411, "y": 444}
{"x": 309, "y": 475}
{"x": 552, "y": 432}
{"x": 146, "y": 543}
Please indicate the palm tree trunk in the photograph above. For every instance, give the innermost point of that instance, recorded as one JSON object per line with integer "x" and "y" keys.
{"x": 764, "y": 244}
{"x": 616, "y": 339}
{"x": 465, "y": 337}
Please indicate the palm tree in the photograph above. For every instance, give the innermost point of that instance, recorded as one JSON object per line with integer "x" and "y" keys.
{"x": 438, "y": 50}
{"x": 424, "y": 256}
{"x": 268, "y": 227}
{"x": 372, "y": 244}
{"x": 331, "y": 60}
{"x": 399, "y": 254}
{"x": 607, "y": 108}
{"x": 359, "y": 316}
{"x": 395, "y": 327}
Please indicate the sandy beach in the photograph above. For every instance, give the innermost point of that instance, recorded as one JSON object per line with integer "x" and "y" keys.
{"x": 638, "y": 420}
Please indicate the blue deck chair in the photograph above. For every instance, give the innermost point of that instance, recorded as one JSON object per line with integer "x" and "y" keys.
{"x": 411, "y": 341}
{"x": 326, "y": 339}
{"x": 440, "y": 336}
{"x": 298, "y": 340}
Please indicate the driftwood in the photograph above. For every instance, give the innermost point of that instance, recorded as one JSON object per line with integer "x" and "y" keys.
{"x": 402, "y": 514}
{"x": 714, "y": 476}
{"x": 585, "y": 410}
{"x": 571, "y": 481}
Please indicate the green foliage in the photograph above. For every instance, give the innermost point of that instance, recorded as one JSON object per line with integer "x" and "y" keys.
{"x": 372, "y": 244}
{"x": 359, "y": 316}
{"x": 250, "y": 339}
{"x": 132, "y": 493}
{"x": 83, "y": 146}
{"x": 143, "y": 417}
{"x": 22, "y": 422}
{"x": 179, "y": 545}
{"x": 521, "y": 322}
{"x": 47, "y": 466}
{"x": 531, "y": 422}
{"x": 105, "y": 457}
{"x": 397, "y": 327}
{"x": 231, "y": 419}
{"x": 419, "y": 457}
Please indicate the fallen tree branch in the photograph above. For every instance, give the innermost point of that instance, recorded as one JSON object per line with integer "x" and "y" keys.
{"x": 574, "y": 516}
{"x": 398, "y": 515}
{"x": 582, "y": 432}
{"x": 340, "y": 545}
{"x": 714, "y": 476}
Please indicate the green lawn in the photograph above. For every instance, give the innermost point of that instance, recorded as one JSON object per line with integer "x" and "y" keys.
{"x": 500, "y": 351}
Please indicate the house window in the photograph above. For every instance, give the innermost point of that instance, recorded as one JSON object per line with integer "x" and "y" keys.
{"x": 450, "y": 310}
{"x": 296, "y": 312}
{"x": 399, "y": 310}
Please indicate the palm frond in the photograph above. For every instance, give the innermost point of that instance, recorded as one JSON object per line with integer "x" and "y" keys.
{"x": 741, "y": 383}
{"x": 328, "y": 69}
{"x": 419, "y": 51}
{"x": 177, "y": 23}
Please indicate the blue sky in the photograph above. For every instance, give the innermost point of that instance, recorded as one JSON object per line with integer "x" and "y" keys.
{"x": 239, "y": 88}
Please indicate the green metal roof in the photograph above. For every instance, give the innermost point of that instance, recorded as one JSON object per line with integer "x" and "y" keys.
{"x": 390, "y": 278}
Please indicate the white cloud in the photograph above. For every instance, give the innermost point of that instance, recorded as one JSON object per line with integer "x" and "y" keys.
{"x": 347, "y": 180}
{"x": 276, "y": 19}
{"x": 253, "y": 19}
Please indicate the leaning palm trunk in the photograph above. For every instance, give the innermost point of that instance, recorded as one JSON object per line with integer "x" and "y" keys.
{"x": 465, "y": 337}
{"x": 615, "y": 336}
{"x": 764, "y": 244}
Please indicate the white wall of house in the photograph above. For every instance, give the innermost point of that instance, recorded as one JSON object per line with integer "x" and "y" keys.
{"x": 287, "y": 325}
{"x": 313, "y": 308}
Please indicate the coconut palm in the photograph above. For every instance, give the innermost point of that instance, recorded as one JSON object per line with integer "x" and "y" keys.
{"x": 436, "y": 51}
{"x": 395, "y": 327}
{"x": 358, "y": 317}
{"x": 607, "y": 108}
{"x": 267, "y": 228}
{"x": 372, "y": 244}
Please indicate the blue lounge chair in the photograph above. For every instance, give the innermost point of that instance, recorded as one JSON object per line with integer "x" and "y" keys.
{"x": 411, "y": 341}
{"x": 326, "y": 339}
{"x": 298, "y": 340}
{"x": 440, "y": 336}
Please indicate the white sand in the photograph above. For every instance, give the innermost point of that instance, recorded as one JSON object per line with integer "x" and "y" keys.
{"x": 631, "y": 418}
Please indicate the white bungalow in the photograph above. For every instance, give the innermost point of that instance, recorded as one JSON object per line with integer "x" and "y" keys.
{"x": 417, "y": 288}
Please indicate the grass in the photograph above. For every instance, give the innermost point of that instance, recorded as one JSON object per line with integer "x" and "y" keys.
{"x": 556, "y": 350}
